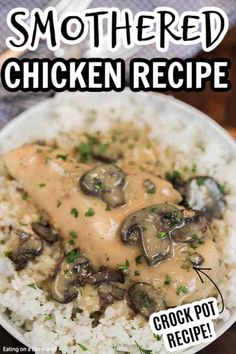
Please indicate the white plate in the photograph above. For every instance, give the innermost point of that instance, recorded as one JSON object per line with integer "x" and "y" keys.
{"x": 41, "y": 121}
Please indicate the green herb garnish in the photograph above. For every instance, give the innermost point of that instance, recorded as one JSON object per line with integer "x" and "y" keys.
{"x": 58, "y": 203}
{"x": 72, "y": 256}
{"x": 62, "y": 157}
{"x": 90, "y": 212}
{"x": 32, "y": 285}
{"x": 168, "y": 280}
{"x": 124, "y": 266}
{"x": 194, "y": 168}
{"x": 25, "y": 196}
{"x": 157, "y": 337}
{"x": 42, "y": 185}
{"x": 142, "y": 350}
{"x": 138, "y": 259}
{"x": 85, "y": 151}
{"x": 47, "y": 318}
{"x": 8, "y": 254}
{"x": 136, "y": 273}
{"x": 185, "y": 267}
{"x": 73, "y": 234}
{"x": 162, "y": 234}
{"x": 74, "y": 212}
{"x": 84, "y": 349}
{"x": 182, "y": 290}
{"x": 200, "y": 181}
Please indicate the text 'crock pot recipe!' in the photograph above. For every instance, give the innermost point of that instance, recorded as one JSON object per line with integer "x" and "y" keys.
{"x": 106, "y": 225}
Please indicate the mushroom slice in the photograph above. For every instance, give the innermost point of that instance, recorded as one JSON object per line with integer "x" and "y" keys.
{"x": 110, "y": 293}
{"x": 70, "y": 273}
{"x": 204, "y": 193}
{"x": 28, "y": 249}
{"x": 105, "y": 275}
{"x": 192, "y": 229}
{"x": 107, "y": 152}
{"x": 150, "y": 227}
{"x": 196, "y": 259}
{"x": 46, "y": 231}
{"x": 145, "y": 299}
{"x": 106, "y": 181}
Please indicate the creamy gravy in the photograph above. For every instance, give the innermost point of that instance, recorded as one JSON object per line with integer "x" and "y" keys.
{"x": 53, "y": 185}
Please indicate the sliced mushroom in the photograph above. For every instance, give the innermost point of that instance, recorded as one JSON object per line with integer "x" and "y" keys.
{"x": 150, "y": 227}
{"x": 28, "y": 249}
{"x": 107, "y": 152}
{"x": 109, "y": 294}
{"x": 145, "y": 299}
{"x": 106, "y": 181}
{"x": 193, "y": 227}
{"x": 196, "y": 259}
{"x": 105, "y": 275}
{"x": 71, "y": 272}
{"x": 205, "y": 194}
{"x": 46, "y": 231}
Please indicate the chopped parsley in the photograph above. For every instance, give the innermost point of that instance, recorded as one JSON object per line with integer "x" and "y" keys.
{"x": 222, "y": 188}
{"x": 90, "y": 212}
{"x": 124, "y": 266}
{"x": 62, "y": 157}
{"x": 85, "y": 151}
{"x": 142, "y": 350}
{"x": 157, "y": 337}
{"x": 220, "y": 262}
{"x": 195, "y": 241}
{"x": 66, "y": 271}
{"x": 168, "y": 280}
{"x": 185, "y": 267}
{"x": 146, "y": 301}
{"x": 194, "y": 168}
{"x": 25, "y": 196}
{"x": 72, "y": 256}
{"x": 9, "y": 254}
{"x": 200, "y": 181}
{"x": 138, "y": 259}
{"x": 162, "y": 234}
{"x": 73, "y": 234}
{"x": 82, "y": 347}
{"x": 32, "y": 285}
{"x": 102, "y": 148}
{"x": 136, "y": 273}
{"x": 71, "y": 242}
{"x": 172, "y": 176}
{"x": 98, "y": 185}
{"x": 42, "y": 185}
{"x": 58, "y": 203}
{"x": 74, "y": 212}
{"x": 182, "y": 290}
{"x": 47, "y": 318}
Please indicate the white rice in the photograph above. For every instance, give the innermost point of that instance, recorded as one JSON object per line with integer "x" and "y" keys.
{"x": 47, "y": 323}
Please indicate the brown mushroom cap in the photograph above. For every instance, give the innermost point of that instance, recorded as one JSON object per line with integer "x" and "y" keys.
{"x": 193, "y": 227}
{"x": 70, "y": 273}
{"x": 145, "y": 299}
{"x": 29, "y": 247}
{"x": 46, "y": 231}
{"x": 150, "y": 227}
{"x": 106, "y": 181}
